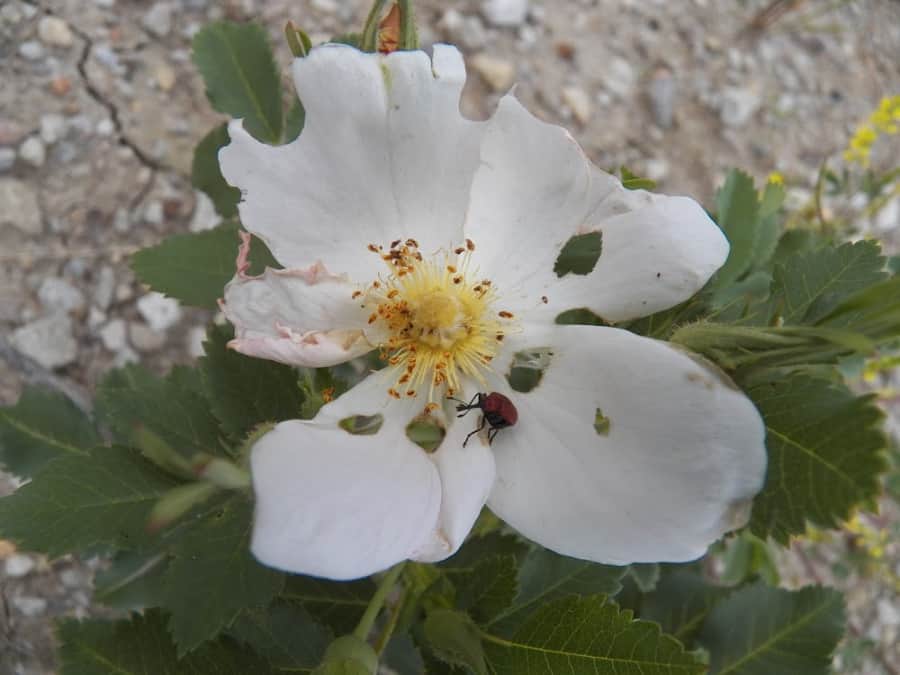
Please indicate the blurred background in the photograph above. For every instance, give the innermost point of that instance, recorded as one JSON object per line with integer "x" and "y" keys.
{"x": 100, "y": 109}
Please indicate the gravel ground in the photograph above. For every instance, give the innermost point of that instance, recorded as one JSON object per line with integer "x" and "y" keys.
{"x": 100, "y": 110}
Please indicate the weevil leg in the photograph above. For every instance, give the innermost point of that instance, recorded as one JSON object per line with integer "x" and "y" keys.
{"x": 477, "y": 429}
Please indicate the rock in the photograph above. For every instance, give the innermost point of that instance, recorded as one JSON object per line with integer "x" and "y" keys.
{"x": 888, "y": 613}
{"x": 55, "y": 32}
{"x": 30, "y": 606}
{"x": 19, "y": 206}
{"x": 113, "y": 335}
{"x": 578, "y": 100}
{"x": 96, "y": 317}
{"x": 620, "y": 77}
{"x": 497, "y": 73}
{"x": 505, "y": 12}
{"x": 325, "y": 6}
{"x": 58, "y": 295}
{"x": 48, "y": 340}
{"x": 158, "y": 20}
{"x": 153, "y": 212}
{"x": 144, "y": 338}
{"x": 53, "y": 128}
{"x": 661, "y": 93}
{"x": 33, "y": 151}
{"x": 738, "y": 106}
{"x": 19, "y": 565}
{"x": 105, "y": 287}
{"x": 165, "y": 76}
{"x": 31, "y": 50}
{"x": 205, "y": 216}
{"x": 160, "y": 312}
{"x": 7, "y": 159}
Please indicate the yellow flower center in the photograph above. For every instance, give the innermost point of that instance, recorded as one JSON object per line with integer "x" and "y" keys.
{"x": 434, "y": 319}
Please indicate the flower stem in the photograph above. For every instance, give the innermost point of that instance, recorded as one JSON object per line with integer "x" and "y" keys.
{"x": 377, "y": 602}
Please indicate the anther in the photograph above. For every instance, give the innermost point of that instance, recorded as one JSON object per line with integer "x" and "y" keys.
{"x": 356, "y": 294}
{"x": 451, "y": 269}
{"x": 457, "y": 279}
{"x": 460, "y": 250}
{"x": 412, "y": 242}
{"x": 470, "y": 244}
{"x": 395, "y": 243}
{"x": 373, "y": 248}
{"x": 393, "y": 392}
{"x": 373, "y": 317}
{"x": 505, "y": 315}
{"x": 544, "y": 299}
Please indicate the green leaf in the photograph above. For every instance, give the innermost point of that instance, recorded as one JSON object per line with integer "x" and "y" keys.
{"x": 338, "y": 605}
{"x": 476, "y": 549}
{"x": 455, "y": 640}
{"x": 760, "y": 630}
{"x": 174, "y": 408}
{"x": 545, "y": 576}
{"x": 244, "y": 392}
{"x": 645, "y": 575}
{"x": 579, "y": 255}
{"x": 207, "y": 176}
{"x": 737, "y": 209}
{"x": 141, "y": 646}
{"x": 195, "y": 267}
{"x": 213, "y": 576}
{"x": 826, "y": 451}
{"x": 747, "y": 556}
{"x": 488, "y": 589}
{"x": 294, "y": 122}
{"x": 84, "y": 501}
{"x": 809, "y": 285}
{"x": 241, "y": 76}
{"x": 680, "y": 603}
{"x": 42, "y": 425}
{"x": 285, "y": 634}
{"x": 133, "y": 581}
{"x": 631, "y": 181}
{"x": 589, "y": 636}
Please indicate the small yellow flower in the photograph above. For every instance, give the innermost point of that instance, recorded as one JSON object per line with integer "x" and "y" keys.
{"x": 884, "y": 120}
{"x": 775, "y": 178}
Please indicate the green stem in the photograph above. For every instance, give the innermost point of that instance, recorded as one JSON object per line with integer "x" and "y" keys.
{"x": 377, "y": 602}
{"x": 388, "y": 631}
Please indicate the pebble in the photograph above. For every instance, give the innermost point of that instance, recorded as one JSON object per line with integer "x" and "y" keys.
{"x": 205, "y": 216}
{"x": 160, "y": 312}
{"x": 30, "y": 606}
{"x": 31, "y": 50}
{"x": 55, "y": 32}
{"x": 19, "y": 565}
{"x": 19, "y": 206}
{"x": 105, "y": 287}
{"x": 153, "y": 212}
{"x": 165, "y": 76}
{"x": 158, "y": 20}
{"x": 144, "y": 338}
{"x": 53, "y": 128}
{"x": 7, "y": 159}
{"x": 325, "y": 6}
{"x": 578, "y": 100}
{"x": 58, "y": 295}
{"x": 48, "y": 340}
{"x": 738, "y": 106}
{"x": 105, "y": 127}
{"x": 620, "y": 77}
{"x": 505, "y": 12}
{"x": 113, "y": 335}
{"x": 661, "y": 93}
{"x": 498, "y": 73}
{"x": 465, "y": 30}
{"x": 33, "y": 151}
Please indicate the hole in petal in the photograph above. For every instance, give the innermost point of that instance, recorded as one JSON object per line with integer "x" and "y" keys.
{"x": 426, "y": 432}
{"x": 580, "y": 254}
{"x": 581, "y": 316}
{"x": 528, "y": 368}
{"x": 601, "y": 423}
{"x": 362, "y": 425}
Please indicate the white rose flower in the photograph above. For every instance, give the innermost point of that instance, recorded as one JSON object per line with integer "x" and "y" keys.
{"x": 407, "y": 228}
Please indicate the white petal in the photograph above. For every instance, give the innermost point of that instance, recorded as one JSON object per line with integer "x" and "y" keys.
{"x": 682, "y": 459}
{"x": 384, "y": 154}
{"x": 535, "y": 189}
{"x": 467, "y": 474}
{"x": 299, "y": 317}
{"x": 337, "y": 505}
